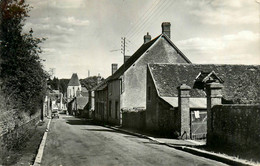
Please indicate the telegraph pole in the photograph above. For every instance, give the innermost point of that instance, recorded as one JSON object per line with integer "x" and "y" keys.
{"x": 123, "y": 46}
{"x": 258, "y": 2}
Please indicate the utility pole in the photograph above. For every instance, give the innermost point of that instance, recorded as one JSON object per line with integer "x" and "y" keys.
{"x": 258, "y": 2}
{"x": 123, "y": 44}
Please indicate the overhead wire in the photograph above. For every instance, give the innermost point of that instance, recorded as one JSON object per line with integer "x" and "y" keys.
{"x": 154, "y": 15}
{"x": 163, "y": 11}
{"x": 138, "y": 21}
{"x": 147, "y": 18}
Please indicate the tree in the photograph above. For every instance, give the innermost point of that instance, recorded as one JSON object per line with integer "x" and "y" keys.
{"x": 54, "y": 83}
{"x": 63, "y": 85}
{"x": 22, "y": 74}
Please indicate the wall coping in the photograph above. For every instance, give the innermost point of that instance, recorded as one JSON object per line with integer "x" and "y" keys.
{"x": 230, "y": 105}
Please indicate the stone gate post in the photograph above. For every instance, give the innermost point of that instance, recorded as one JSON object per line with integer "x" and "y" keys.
{"x": 214, "y": 97}
{"x": 184, "y": 110}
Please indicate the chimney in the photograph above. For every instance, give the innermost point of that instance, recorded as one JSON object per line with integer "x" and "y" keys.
{"x": 126, "y": 57}
{"x": 166, "y": 29}
{"x": 147, "y": 38}
{"x": 114, "y": 68}
{"x": 98, "y": 79}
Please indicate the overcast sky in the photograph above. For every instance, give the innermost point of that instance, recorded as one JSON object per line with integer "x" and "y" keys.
{"x": 81, "y": 34}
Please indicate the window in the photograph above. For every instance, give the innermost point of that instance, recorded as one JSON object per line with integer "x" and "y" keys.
{"x": 110, "y": 108}
{"x": 116, "y": 109}
{"x": 149, "y": 93}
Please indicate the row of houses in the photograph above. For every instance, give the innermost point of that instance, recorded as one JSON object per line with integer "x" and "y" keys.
{"x": 54, "y": 100}
{"x": 126, "y": 87}
{"x": 160, "y": 90}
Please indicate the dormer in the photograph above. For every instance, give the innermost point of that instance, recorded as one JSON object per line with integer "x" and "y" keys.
{"x": 206, "y": 77}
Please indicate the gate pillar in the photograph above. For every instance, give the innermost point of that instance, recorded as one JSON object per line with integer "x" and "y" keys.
{"x": 214, "y": 97}
{"x": 184, "y": 110}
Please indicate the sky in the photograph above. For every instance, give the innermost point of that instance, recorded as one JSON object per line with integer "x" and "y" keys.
{"x": 86, "y": 35}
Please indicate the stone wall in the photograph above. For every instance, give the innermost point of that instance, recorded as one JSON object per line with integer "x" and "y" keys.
{"x": 14, "y": 133}
{"x": 235, "y": 126}
{"x": 168, "y": 125}
{"x": 134, "y": 119}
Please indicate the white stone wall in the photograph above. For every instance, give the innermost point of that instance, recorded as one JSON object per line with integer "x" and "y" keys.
{"x": 72, "y": 91}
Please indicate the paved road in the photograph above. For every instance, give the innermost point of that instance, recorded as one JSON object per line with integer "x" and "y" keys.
{"x": 73, "y": 142}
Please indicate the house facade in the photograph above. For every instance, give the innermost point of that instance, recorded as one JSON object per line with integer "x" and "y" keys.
{"x": 177, "y": 100}
{"x": 100, "y": 103}
{"x": 127, "y": 86}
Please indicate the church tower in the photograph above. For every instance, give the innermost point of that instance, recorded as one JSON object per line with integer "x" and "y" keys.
{"x": 73, "y": 87}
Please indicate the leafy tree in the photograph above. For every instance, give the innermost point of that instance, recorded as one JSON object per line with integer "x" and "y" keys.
{"x": 63, "y": 85}
{"x": 59, "y": 84}
{"x": 22, "y": 74}
{"x": 54, "y": 83}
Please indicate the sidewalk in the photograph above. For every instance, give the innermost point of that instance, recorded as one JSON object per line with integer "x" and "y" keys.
{"x": 188, "y": 146}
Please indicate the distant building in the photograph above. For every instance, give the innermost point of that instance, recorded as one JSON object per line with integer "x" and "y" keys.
{"x": 53, "y": 101}
{"x": 73, "y": 86}
{"x": 99, "y": 102}
{"x": 77, "y": 97}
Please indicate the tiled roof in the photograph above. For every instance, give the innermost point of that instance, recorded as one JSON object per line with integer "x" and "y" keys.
{"x": 140, "y": 52}
{"x": 74, "y": 81}
{"x": 84, "y": 92}
{"x": 81, "y": 102}
{"x": 241, "y": 82}
{"x": 200, "y": 103}
{"x": 101, "y": 85}
{"x": 132, "y": 59}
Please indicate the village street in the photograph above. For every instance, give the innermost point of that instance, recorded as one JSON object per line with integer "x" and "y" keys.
{"x": 71, "y": 141}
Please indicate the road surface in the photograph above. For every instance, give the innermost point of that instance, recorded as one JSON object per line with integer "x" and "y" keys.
{"x": 73, "y": 142}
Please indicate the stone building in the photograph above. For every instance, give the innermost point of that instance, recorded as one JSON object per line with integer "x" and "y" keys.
{"x": 99, "y": 102}
{"x": 73, "y": 86}
{"x": 176, "y": 95}
{"x": 127, "y": 86}
{"x": 76, "y": 106}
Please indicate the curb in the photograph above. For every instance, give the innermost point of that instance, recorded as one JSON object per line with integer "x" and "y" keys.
{"x": 38, "y": 159}
{"x": 195, "y": 151}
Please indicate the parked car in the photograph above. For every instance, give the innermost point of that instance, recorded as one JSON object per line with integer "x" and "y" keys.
{"x": 55, "y": 113}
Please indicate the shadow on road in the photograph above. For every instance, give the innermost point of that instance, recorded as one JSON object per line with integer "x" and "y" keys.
{"x": 102, "y": 130}
{"x": 79, "y": 122}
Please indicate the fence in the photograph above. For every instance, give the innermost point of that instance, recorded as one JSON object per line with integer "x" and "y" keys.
{"x": 198, "y": 124}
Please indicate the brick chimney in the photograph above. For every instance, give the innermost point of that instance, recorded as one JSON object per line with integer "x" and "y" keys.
{"x": 147, "y": 38}
{"x": 126, "y": 57}
{"x": 114, "y": 68}
{"x": 98, "y": 79}
{"x": 166, "y": 28}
